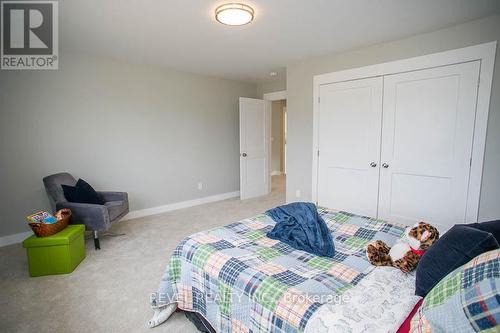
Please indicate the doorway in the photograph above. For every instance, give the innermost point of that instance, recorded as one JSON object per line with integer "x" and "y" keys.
{"x": 263, "y": 145}
{"x": 278, "y": 146}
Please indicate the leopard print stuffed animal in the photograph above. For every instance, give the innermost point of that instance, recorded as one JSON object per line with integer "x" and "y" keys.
{"x": 406, "y": 253}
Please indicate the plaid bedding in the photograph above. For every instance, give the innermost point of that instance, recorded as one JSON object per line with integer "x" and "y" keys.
{"x": 466, "y": 300}
{"x": 242, "y": 281}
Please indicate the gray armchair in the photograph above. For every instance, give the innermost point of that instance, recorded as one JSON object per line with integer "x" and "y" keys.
{"x": 95, "y": 217}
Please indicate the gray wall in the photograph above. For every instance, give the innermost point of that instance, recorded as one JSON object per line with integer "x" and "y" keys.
{"x": 300, "y": 101}
{"x": 277, "y": 136}
{"x": 277, "y": 84}
{"x": 151, "y": 132}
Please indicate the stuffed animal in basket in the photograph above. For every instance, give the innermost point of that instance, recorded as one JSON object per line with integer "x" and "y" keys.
{"x": 406, "y": 253}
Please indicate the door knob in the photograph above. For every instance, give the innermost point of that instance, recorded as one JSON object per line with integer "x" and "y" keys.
{"x": 373, "y": 164}
{"x": 385, "y": 165}
{"x": 244, "y": 154}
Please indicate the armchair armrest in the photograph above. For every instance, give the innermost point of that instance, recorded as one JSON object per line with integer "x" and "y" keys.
{"x": 95, "y": 217}
{"x": 113, "y": 196}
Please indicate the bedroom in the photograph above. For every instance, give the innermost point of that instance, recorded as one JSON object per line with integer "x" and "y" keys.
{"x": 152, "y": 109}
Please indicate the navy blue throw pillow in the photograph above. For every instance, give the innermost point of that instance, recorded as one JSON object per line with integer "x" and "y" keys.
{"x": 69, "y": 192}
{"x": 493, "y": 227}
{"x": 455, "y": 248}
{"x": 82, "y": 192}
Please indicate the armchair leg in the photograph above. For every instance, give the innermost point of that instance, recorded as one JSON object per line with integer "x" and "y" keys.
{"x": 96, "y": 241}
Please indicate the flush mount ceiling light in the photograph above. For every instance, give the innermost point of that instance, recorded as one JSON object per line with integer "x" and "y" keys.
{"x": 234, "y": 14}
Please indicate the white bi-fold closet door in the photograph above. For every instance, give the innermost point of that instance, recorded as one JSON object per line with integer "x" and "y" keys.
{"x": 399, "y": 146}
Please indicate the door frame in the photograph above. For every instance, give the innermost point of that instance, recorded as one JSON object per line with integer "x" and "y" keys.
{"x": 485, "y": 53}
{"x": 284, "y": 147}
{"x": 271, "y": 97}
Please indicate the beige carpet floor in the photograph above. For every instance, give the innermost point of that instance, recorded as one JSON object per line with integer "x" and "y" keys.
{"x": 109, "y": 291}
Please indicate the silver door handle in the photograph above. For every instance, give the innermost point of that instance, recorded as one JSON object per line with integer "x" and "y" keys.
{"x": 385, "y": 165}
{"x": 373, "y": 164}
{"x": 244, "y": 154}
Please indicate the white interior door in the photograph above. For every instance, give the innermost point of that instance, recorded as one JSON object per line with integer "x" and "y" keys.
{"x": 428, "y": 127}
{"x": 349, "y": 145}
{"x": 254, "y": 147}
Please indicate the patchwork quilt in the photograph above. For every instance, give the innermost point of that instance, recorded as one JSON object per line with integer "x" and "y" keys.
{"x": 466, "y": 300}
{"x": 242, "y": 281}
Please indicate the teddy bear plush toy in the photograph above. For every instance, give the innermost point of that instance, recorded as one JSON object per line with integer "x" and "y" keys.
{"x": 406, "y": 253}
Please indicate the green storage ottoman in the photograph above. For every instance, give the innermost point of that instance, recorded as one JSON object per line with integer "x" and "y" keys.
{"x": 56, "y": 254}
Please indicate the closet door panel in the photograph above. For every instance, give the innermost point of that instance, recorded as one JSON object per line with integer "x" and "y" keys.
{"x": 349, "y": 141}
{"x": 427, "y": 132}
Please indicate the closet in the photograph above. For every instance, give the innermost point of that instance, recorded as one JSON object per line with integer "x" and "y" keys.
{"x": 399, "y": 146}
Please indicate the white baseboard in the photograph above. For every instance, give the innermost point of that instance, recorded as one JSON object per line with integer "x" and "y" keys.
{"x": 276, "y": 173}
{"x": 15, "y": 238}
{"x": 18, "y": 238}
{"x": 179, "y": 205}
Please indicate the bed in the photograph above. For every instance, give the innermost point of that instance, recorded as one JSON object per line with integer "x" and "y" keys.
{"x": 241, "y": 281}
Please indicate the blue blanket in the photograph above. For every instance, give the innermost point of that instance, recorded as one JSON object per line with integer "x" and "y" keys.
{"x": 299, "y": 225}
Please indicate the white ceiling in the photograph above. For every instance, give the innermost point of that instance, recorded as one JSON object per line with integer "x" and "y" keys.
{"x": 183, "y": 34}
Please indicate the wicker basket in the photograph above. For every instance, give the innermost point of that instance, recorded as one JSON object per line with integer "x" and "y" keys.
{"x": 44, "y": 230}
